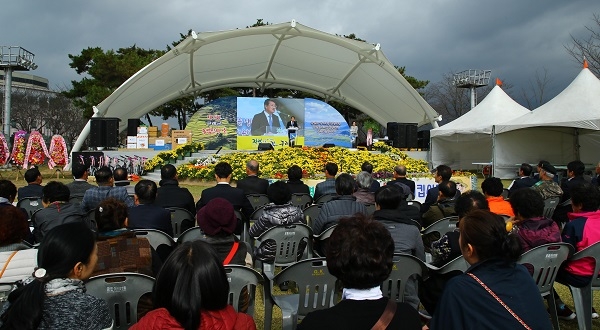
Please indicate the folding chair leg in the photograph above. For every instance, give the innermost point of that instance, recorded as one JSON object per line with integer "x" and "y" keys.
{"x": 582, "y": 297}
{"x": 552, "y": 308}
{"x": 268, "y": 307}
{"x": 290, "y": 320}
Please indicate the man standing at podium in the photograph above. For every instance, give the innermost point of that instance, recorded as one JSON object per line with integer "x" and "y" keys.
{"x": 266, "y": 122}
{"x": 292, "y": 128}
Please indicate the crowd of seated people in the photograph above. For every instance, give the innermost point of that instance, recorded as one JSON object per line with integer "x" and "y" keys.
{"x": 116, "y": 212}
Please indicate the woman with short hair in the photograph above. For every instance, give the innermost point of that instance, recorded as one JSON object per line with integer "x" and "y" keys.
{"x": 191, "y": 292}
{"x": 360, "y": 254}
{"x": 495, "y": 292}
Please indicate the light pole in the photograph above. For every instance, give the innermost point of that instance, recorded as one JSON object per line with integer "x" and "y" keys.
{"x": 13, "y": 58}
{"x": 472, "y": 79}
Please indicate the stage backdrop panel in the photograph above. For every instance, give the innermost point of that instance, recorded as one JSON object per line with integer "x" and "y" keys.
{"x": 215, "y": 124}
{"x": 324, "y": 124}
{"x": 228, "y": 123}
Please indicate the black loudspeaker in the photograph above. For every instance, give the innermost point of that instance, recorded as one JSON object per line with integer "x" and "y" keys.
{"x": 423, "y": 139}
{"x": 411, "y": 136}
{"x": 265, "y": 146}
{"x": 104, "y": 132}
{"x": 402, "y": 135}
{"x": 396, "y": 132}
{"x": 96, "y": 133}
{"x": 132, "y": 126}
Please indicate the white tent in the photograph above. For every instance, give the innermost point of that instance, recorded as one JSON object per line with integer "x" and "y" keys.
{"x": 287, "y": 55}
{"x": 564, "y": 129}
{"x": 469, "y": 138}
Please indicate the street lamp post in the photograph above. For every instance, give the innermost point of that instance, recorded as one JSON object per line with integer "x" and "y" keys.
{"x": 13, "y": 58}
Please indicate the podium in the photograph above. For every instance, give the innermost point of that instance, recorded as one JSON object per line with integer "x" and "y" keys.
{"x": 292, "y": 132}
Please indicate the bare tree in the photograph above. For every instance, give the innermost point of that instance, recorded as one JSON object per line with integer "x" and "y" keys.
{"x": 535, "y": 96}
{"x": 46, "y": 111}
{"x": 448, "y": 100}
{"x": 588, "y": 48}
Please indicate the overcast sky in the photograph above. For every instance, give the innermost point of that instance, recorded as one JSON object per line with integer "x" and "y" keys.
{"x": 430, "y": 37}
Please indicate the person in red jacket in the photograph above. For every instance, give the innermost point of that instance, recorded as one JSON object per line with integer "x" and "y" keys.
{"x": 191, "y": 292}
{"x": 582, "y": 230}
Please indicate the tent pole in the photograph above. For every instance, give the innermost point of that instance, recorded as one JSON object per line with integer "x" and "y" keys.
{"x": 577, "y": 144}
{"x": 494, "y": 150}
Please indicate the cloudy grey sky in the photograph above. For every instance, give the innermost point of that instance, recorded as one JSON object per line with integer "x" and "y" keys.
{"x": 430, "y": 37}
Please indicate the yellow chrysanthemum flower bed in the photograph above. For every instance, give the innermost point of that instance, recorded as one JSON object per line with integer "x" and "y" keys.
{"x": 166, "y": 157}
{"x": 274, "y": 164}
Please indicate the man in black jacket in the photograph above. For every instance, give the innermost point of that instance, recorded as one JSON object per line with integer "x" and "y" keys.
{"x": 34, "y": 184}
{"x": 252, "y": 184}
{"x": 146, "y": 214}
{"x": 525, "y": 180}
{"x": 170, "y": 194}
{"x": 574, "y": 178}
{"x": 222, "y": 189}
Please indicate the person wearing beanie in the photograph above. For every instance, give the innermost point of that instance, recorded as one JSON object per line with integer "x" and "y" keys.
{"x": 218, "y": 222}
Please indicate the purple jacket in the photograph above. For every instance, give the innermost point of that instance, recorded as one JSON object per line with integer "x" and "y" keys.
{"x": 538, "y": 231}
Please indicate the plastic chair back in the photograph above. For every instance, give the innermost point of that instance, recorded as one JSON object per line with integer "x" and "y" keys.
{"x": 301, "y": 200}
{"x": 582, "y": 297}
{"x": 415, "y": 204}
{"x": 257, "y": 213}
{"x": 325, "y": 198}
{"x": 457, "y": 264}
{"x": 288, "y": 238}
{"x": 76, "y": 199}
{"x": 245, "y": 235}
{"x": 30, "y": 204}
{"x": 441, "y": 226}
{"x": 121, "y": 291}
{"x": 550, "y": 205}
{"x": 258, "y": 200}
{"x": 405, "y": 266}
{"x": 546, "y": 260}
{"x": 370, "y": 208}
{"x": 155, "y": 237}
{"x": 240, "y": 277}
{"x": 181, "y": 220}
{"x": 321, "y": 245}
{"x": 192, "y": 234}
{"x": 311, "y": 213}
{"x": 316, "y": 290}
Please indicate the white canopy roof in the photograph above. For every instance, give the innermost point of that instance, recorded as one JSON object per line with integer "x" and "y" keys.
{"x": 577, "y": 106}
{"x": 565, "y": 128}
{"x": 468, "y": 140}
{"x": 497, "y": 107}
{"x": 287, "y": 55}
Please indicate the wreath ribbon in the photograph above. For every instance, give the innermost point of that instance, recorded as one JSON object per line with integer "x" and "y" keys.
{"x": 58, "y": 145}
{"x": 34, "y": 137}
{"x": 4, "y": 152}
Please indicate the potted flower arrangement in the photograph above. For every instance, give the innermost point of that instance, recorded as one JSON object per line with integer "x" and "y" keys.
{"x": 58, "y": 152}
{"x": 18, "y": 150}
{"x": 4, "y": 151}
{"x": 36, "y": 151}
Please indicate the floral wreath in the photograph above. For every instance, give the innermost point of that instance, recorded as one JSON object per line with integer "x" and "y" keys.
{"x": 4, "y": 151}
{"x": 19, "y": 145}
{"x": 58, "y": 152}
{"x": 36, "y": 151}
